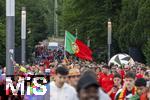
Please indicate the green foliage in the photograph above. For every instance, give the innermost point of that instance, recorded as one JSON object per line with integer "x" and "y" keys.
{"x": 130, "y": 20}
{"x": 130, "y": 23}
{"x": 2, "y": 43}
{"x": 90, "y": 18}
{"x": 39, "y": 23}
{"x": 144, "y": 15}
{"x": 134, "y": 23}
{"x": 147, "y": 52}
{"x": 126, "y": 23}
{"x": 2, "y": 32}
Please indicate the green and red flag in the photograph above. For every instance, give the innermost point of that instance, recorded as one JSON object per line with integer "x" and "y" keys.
{"x": 77, "y": 47}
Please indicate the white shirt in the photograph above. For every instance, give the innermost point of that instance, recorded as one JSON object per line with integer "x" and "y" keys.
{"x": 67, "y": 92}
{"x": 103, "y": 95}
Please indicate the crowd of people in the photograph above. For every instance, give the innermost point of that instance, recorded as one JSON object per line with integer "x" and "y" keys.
{"x": 74, "y": 79}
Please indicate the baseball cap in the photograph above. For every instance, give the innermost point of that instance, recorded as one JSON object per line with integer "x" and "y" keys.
{"x": 86, "y": 81}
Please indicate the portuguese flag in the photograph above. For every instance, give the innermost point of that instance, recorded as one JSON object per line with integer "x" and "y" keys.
{"x": 77, "y": 47}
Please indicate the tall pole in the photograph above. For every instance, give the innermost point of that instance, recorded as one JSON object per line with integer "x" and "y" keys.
{"x": 76, "y": 38}
{"x": 23, "y": 35}
{"x": 55, "y": 18}
{"x": 10, "y": 35}
{"x": 109, "y": 38}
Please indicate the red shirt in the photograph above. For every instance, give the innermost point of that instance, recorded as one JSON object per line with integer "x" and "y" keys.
{"x": 139, "y": 76}
{"x": 46, "y": 62}
{"x": 106, "y": 81}
{"x": 113, "y": 96}
{"x": 143, "y": 97}
{"x": 122, "y": 73}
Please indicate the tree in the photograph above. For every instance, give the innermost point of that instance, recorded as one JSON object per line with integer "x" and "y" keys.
{"x": 128, "y": 16}
{"x": 133, "y": 27}
{"x": 2, "y": 44}
{"x": 90, "y": 18}
{"x": 2, "y": 33}
{"x": 39, "y": 22}
{"x": 143, "y": 24}
{"x": 147, "y": 52}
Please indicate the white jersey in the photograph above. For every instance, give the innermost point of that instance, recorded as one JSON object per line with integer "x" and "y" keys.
{"x": 67, "y": 92}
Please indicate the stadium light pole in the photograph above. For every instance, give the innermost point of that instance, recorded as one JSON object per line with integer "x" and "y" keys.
{"x": 10, "y": 35}
{"x": 109, "y": 38}
{"x": 23, "y": 35}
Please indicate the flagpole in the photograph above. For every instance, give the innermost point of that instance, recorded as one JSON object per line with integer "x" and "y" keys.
{"x": 65, "y": 45}
{"x": 88, "y": 41}
{"x": 76, "y": 33}
{"x": 76, "y": 38}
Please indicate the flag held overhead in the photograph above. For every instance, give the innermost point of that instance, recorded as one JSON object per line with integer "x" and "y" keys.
{"x": 77, "y": 47}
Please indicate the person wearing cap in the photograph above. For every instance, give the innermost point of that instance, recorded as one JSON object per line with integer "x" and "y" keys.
{"x": 88, "y": 88}
{"x": 105, "y": 79}
{"x": 102, "y": 94}
{"x": 128, "y": 89}
{"x": 73, "y": 78}
{"x": 117, "y": 85}
{"x": 141, "y": 88}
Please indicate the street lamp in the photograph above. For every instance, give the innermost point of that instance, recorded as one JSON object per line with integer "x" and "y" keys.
{"x": 23, "y": 35}
{"x": 10, "y": 35}
{"x": 109, "y": 38}
{"x": 55, "y": 18}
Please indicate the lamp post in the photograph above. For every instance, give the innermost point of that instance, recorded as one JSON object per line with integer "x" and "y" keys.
{"x": 23, "y": 35}
{"x": 109, "y": 38}
{"x": 10, "y": 35}
{"x": 55, "y": 18}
